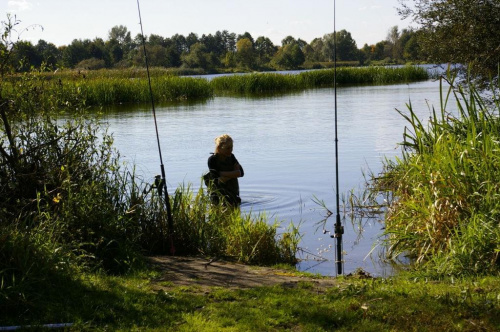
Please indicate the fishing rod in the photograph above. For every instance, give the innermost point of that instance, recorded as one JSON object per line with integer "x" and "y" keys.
{"x": 339, "y": 229}
{"x": 161, "y": 184}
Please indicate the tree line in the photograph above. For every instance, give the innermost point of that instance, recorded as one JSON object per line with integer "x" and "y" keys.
{"x": 450, "y": 31}
{"x": 221, "y": 51}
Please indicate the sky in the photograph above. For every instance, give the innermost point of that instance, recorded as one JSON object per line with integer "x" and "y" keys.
{"x": 61, "y": 21}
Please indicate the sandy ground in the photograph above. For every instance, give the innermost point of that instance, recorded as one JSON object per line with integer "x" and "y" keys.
{"x": 204, "y": 273}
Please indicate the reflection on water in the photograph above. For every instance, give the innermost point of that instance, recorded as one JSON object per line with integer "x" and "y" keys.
{"x": 286, "y": 145}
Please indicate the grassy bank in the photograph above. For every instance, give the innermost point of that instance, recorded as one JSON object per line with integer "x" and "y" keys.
{"x": 143, "y": 303}
{"x": 444, "y": 211}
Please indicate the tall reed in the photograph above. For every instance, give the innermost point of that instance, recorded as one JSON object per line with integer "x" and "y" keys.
{"x": 202, "y": 228}
{"x": 112, "y": 91}
{"x": 274, "y": 82}
{"x": 446, "y": 187}
{"x": 104, "y": 90}
{"x": 112, "y": 87}
{"x": 133, "y": 72}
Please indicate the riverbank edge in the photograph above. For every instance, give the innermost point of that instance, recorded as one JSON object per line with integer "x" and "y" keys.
{"x": 191, "y": 293}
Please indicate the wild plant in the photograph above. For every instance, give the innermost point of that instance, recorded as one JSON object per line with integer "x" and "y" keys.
{"x": 274, "y": 82}
{"x": 445, "y": 208}
{"x": 202, "y": 227}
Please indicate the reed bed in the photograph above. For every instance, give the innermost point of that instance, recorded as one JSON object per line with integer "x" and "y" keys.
{"x": 256, "y": 83}
{"x": 274, "y": 82}
{"x": 112, "y": 91}
{"x": 202, "y": 228}
{"x": 446, "y": 187}
{"x": 113, "y": 87}
{"x": 133, "y": 72}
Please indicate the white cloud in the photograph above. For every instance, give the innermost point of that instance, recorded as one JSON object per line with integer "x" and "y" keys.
{"x": 19, "y": 5}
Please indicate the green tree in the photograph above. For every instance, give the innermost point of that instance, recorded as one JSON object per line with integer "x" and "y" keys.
{"x": 197, "y": 57}
{"x": 346, "y": 46}
{"x": 75, "y": 52}
{"x": 121, "y": 35}
{"x": 264, "y": 49}
{"x": 412, "y": 49}
{"x": 245, "y": 53}
{"x": 316, "y": 55}
{"x": 180, "y": 43}
{"x": 173, "y": 57}
{"x": 392, "y": 49}
{"x": 191, "y": 39}
{"x": 289, "y": 56}
{"x": 229, "y": 40}
{"x": 229, "y": 60}
{"x": 119, "y": 44}
{"x": 157, "y": 56}
{"x": 379, "y": 52}
{"x": 156, "y": 40}
{"x": 115, "y": 52}
{"x": 246, "y": 35}
{"x": 49, "y": 53}
{"x": 407, "y": 45}
{"x": 25, "y": 55}
{"x": 288, "y": 40}
{"x": 459, "y": 31}
{"x": 97, "y": 50}
{"x": 212, "y": 44}
{"x": 366, "y": 53}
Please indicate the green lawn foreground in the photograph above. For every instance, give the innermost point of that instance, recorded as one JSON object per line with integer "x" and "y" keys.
{"x": 404, "y": 303}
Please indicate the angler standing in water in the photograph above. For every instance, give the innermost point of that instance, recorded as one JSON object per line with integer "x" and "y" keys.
{"x": 225, "y": 171}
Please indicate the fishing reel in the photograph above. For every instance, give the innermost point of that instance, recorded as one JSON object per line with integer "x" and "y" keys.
{"x": 158, "y": 184}
{"x": 337, "y": 232}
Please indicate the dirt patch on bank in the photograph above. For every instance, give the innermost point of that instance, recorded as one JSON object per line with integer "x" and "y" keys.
{"x": 205, "y": 273}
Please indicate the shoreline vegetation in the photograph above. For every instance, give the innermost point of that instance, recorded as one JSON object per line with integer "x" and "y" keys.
{"x": 76, "y": 226}
{"x": 442, "y": 207}
{"x": 113, "y": 87}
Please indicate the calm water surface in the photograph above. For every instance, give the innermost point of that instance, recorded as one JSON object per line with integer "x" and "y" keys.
{"x": 286, "y": 146}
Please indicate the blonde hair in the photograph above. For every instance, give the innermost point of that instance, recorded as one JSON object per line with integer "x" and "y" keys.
{"x": 222, "y": 141}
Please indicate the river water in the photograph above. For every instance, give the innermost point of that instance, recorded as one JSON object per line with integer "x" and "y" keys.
{"x": 286, "y": 145}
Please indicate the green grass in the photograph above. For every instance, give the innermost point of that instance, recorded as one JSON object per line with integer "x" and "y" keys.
{"x": 406, "y": 303}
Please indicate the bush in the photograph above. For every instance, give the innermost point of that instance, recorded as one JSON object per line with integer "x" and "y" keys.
{"x": 91, "y": 64}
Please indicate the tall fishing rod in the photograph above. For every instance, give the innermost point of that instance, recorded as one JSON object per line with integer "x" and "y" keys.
{"x": 160, "y": 183}
{"x": 339, "y": 229}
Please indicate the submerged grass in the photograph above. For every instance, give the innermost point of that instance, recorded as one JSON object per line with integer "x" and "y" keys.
{"x": 446, "y": 188}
